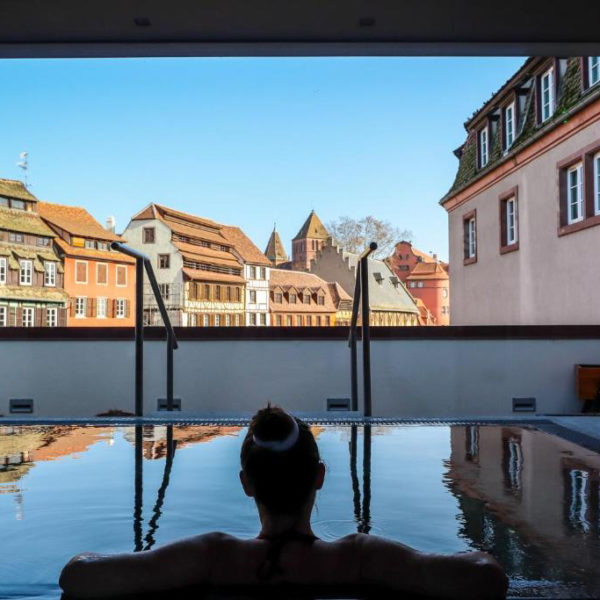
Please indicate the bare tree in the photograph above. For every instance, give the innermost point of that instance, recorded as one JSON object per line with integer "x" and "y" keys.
{"x": 354, "y": 235}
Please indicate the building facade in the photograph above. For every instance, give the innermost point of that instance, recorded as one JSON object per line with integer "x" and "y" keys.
{"x": 390, "y": 302}
{"x": 100, "y": 282}
{"x": 523, "y": 209}
{"x": 31, "y": 273}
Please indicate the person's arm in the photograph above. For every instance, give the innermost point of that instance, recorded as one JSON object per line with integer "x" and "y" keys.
{"x": 469, "y": 575}
{"x": 179, "y": 564}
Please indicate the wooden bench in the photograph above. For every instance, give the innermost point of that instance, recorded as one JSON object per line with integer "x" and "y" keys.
{"x": 587, "y": 385}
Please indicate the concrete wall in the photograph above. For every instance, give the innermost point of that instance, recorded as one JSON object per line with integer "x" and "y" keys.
{"x": 411, "y": 378}
{"x": 549, "y": 280}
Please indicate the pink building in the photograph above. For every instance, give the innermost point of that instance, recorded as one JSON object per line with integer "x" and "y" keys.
{"x": 523, "y": 209}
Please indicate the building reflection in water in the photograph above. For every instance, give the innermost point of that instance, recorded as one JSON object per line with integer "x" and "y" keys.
{"x": 529, "y": 498}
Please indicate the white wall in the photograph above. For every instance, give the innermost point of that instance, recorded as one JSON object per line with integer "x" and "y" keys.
{"x": 411, "y": 378}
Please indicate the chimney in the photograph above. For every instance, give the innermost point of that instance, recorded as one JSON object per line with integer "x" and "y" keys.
{"x": 110, "y": 224}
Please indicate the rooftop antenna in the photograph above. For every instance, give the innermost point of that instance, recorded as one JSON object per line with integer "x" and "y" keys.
{"x": 24, "y": 164}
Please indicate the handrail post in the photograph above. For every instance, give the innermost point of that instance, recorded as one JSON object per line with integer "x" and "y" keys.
{"x": 366, "y": 335}
{"x": 139, "y": 337}
{"x": 353, "y": 350}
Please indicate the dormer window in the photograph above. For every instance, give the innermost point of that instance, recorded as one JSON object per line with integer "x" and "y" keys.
{"x": 510, "y": 126}
{"x": 593, "y": 70}
{"x": 483, "y": 147}
{"x": 547, "y": 94}
{"x": 378, "y": 278}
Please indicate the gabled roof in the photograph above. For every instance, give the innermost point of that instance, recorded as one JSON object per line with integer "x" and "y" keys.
{"x": 22, "y": 221}
{"x": 100, "y": 255}
{"x": 244, "y": 246}
{"x": 75, "y": 220}
{"x": 425, "y": 270}
{"x": 275, "y": 251}
{"x": 312, "y": 228}
{"x": 12, "y": 188}
{"x": 300, "y": 280}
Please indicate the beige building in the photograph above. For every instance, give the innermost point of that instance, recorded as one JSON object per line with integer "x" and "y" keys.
{"x": 525, "y": 204}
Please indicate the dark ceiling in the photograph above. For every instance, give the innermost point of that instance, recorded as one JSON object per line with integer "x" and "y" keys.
{"x": 297, "y": 27}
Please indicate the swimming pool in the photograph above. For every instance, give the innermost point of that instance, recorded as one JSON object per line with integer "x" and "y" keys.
{"x": 530, "y": 498}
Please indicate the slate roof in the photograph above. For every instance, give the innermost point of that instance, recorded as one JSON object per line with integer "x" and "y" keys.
{"x": 12, "y": 188}
{"x": 312, "y": 228}
{"x": 570, "y": 99}
{"x": 275, "y": 251}
{"x": 22, "y": 221}
{"x": 75, "y": 220}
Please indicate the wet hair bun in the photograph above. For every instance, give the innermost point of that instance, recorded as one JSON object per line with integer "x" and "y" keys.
{"x": 272, "y": 424}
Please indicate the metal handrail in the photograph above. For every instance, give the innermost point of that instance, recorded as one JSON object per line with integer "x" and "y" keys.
{"x": 361, "y": 288}
{"x": 143, "y": 262}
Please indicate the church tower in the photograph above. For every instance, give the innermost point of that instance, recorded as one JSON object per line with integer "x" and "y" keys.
{"x": 308, "y": 241}
{"x": 275, "y": 251}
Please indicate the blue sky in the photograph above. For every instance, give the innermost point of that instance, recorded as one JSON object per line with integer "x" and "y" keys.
{"x": 247, "y": 141}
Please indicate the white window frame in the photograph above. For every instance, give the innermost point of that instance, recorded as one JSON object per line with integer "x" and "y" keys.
{"x": 484, "y": 154}
{"x": 101, "y": 307}
{"x": 29, "y": 320}
{"x": 205, "y": 321}
{"x": 26, "y": 272}
{"x": 472, "y": 238}
{"x": 578, "y": 199}
{"x": 120, "y": 308}
{"x": 217, "y": 320}
{"x": 49, "y": 273}
{"x": 52, "y": 317}
{"x": 81, "y": 307}
{"x": 117, "y": 276}
{"x": 3, "y": 316}
{"x": 227, "y": 320}
{"x": 420, "y": 284}
{"x": 510, "y": 129}
{"x": 98, "y": 282}
{"x": 252, "y": 296}
{"x": 83, "y": 262}
{"x": 596, "y": 170}
{"x": 593, "y": 70}
{"x": 237, "y": 320}
{"x": 547, "y": 106}
{"x": 2, "y": 269}
{"x": 512, "y": 233}
{"x": 263, "y": 319}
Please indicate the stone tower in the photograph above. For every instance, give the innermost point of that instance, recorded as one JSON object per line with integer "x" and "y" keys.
{"x": 275, "y": 251}
{"x": 308, "y": 241}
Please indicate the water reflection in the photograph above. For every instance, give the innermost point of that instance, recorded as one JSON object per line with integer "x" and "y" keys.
{"x": 362, "y": 513}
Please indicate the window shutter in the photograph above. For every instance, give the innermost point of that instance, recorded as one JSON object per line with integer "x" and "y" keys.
{"x": 62, "y": 317}
{"x": 72, "y": 302}
{"x": 43, "y": 317}
{"x": 92, "y": 304}
{"x": 110, "y": 305}
{"x": 127, "y": 308}
{"x": 37, "y": 319}
{"x": 563, "y": 196}
{"x": 19, "y": 320}
{"x": 503, "y": 233}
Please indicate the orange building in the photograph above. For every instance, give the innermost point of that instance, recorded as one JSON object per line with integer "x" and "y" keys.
{"x": 100, "y": 282}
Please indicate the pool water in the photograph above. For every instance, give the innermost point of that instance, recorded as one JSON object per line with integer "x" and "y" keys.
{"x": 530, "y": 498}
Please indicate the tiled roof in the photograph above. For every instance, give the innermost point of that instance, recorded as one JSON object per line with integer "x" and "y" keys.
{"x": 425, "y": 270}
{"x": 209, "y": 276}
{"x": 22, "y": 221}
{"x": 341, "y": 299}
{"x": 41, "y": 294}
{"x": 275, "y": 251}
{"x": 299, "y": 281}
{"x": 570, "y": 99}
{"x": 75, "y": 220}
{"x": 244, "y": 246}
{"x": 312, "y": 228}
{"x": 11, "y": 188}
{"x": 208, "y": 255}
{"x": 92, "y": 254}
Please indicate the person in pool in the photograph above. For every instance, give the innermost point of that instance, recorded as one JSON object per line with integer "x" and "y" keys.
{"x": 282, "y": 471}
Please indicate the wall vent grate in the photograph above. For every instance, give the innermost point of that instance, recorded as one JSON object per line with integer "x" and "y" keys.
{"x": 523, "y": 404}
{"x": 334, "y": 404}
{"x": 162, "y": 404}
{"x": 21, "y": 406}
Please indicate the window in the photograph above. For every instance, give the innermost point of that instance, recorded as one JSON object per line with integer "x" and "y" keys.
{"x": 102, "y": 246}
{"x": 2, "y": 269}
{"x": 26, "y": 273}
{"x": 511, "y": 221}
{"x": 292, "y": 298}
{"x": 328, "y": 320}
{"x": 547, "y": 94}
{"x": 206, "y": 291}
{"x": 227, "y": 320}
{"x": 101, "y": 304}
{"x": 163, "y": 261}
{"x": 509, "y": 126}
{"x": 121, "y": 275}
{"x": 444, "y": 292}
{"x": 252, "y": 296}
{"x": 288, "y": 320}
{"x": 43, "y": 241}
{"x": 228, "y": 293}
{"x": 306, "y": 299}
{"x": 419, "y": 284}
{"x": 252, "y": 272}
{"x": 483, "y": 147}
{"x": 205, "y": 321}
{"x": 18, "y": 204}
{"x": 413, "y": 284}
{"x": 28, "y": 316}
{"x": 217, "y": 320}
{"x": 165, "y": 290}
{"x": 89, "y": 243}
{"x": 470, "y": 237}
{"x": 575, "y": 194}
{"x": 49, "y": 273}
{"x": 51, "y": 317}
{"x": 148, "y": 235}
{"x": 15, "y": 237}
{"x": 279, "y": 320}
{"x": 217, "y": 292}
{"x": 263, "y": 273}
{"x": 597, "y": 182}
{"x": 102, "y": 274}
{"x": 81, "y": 271}
{"x": 238, "y": 294}
{"x": 321, "y": 300}
{"x": 120, "y": 308}
{"x": 278, "y": 298}
{"x": 263, "y": 319}
{"x": 3, "y": 201}
{"x": 252, "y": 318}
{"x": 319, "y": 320}
{"x": 80, "y": 307}
{"x": 309, "y": 320}
{"x": 594, "y": 70}
{"x": 237, "y": 320}
{"x": 299, "y": 320}
{"x": 3, "y": 315}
